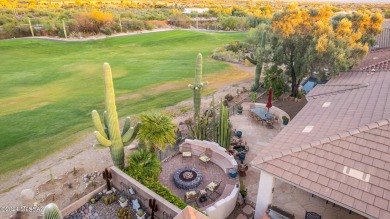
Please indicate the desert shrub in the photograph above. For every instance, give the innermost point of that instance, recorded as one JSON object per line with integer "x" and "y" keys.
{"x": 133, "y": 25}
{"x": 180, "y": 20}
{"x": 107, "y": 31}
{"x": 229, "y": 97}
{"x": 9, "y": 30}
{"x": 233, "y": 23}
{"x": 92, "y": 21}
{"x": 228, "y": 56}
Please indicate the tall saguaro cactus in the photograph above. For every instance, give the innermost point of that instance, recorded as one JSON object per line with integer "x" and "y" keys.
{"x": 258, "y": 61}
{"x": 109, "y": 135}
{"x": 197, "y": 87}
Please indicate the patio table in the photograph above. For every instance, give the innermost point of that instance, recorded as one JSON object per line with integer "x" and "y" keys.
{"x": 262, "y": 113}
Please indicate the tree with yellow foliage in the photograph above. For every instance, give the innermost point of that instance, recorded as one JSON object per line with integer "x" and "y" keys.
{"x": 307, "y": 40}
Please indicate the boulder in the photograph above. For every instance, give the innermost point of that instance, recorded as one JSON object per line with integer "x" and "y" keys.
{"x": 27, "y": 195}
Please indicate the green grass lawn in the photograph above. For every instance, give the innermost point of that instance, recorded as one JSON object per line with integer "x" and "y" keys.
{"x": 49, "y": 88}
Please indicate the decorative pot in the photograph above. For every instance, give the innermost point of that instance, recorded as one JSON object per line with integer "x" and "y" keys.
{"x": 239, "y": 111}
{"x": 239, "y": 134}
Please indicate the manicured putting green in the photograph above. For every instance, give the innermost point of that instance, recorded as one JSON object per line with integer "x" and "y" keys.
{"x": 49, "y": 88}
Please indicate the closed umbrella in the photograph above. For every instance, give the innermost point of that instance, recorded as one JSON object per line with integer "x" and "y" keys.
{"x": 269, "y": 103}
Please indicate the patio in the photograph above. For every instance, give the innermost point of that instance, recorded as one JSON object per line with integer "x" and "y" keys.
{"x": 210, "y": 172}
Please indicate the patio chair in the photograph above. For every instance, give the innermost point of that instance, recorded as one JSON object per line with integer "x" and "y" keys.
{"x": 186, "y": 151}
{"x": 212, "y": 188}
{"x": 192, "y": 196}
{"x": 206, "y": 156}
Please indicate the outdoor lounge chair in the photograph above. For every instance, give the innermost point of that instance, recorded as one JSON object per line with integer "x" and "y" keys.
{"x": 212, "y": 188}
{"x": 186, "y": 151}
{"x": 191, "y": 196}
{"x": 206, "y": 156}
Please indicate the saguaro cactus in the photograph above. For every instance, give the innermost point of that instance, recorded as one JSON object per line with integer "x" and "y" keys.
{"x": 258, "y": 61}
{"x": 109, "y": 135}
{"x": 197, "y": 87}
{"x": 51, "y": 211}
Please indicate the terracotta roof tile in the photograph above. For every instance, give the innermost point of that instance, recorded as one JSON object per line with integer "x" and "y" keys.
{"x": 364, "y": 186}
{"x": 367, "y": 160}
{"x": 368, "y": 197}
{"x": 386, "y": 195}
{"x": 348, "y": 200}
{"x": 372, "y": 210}
{"x": 323, "y": 180}
{"x": 345, "y": 188}
{"x": 336, "y": 195}
{"x": 381, "y": 203}
{"x": 356, "y": 193}
{"x": 305, "y": 183}
{"x": 384, "y": 214}
{"x": 296, "y": 179}
{"x": 333, "y": 184}
{"x": 325, "y": 191}
{"x": 287, "y": 175}
{"x": 385, "y": 184}
{"x": 315, "y": 187}
{"x": 359, "y": 205}
{"x": 379, "y": 164}
{"x": 375, "y": 190}
{"x": 313, "y": 177}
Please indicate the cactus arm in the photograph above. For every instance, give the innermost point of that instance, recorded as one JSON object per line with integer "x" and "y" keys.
{"x": 136, "y": 129}
{"x": 102, "y": 140}
{"x": 126, "y": 137}
{"x": 98, "y": 124}
{"x": 99, "y": 146}
{"x": 126, "y": 127}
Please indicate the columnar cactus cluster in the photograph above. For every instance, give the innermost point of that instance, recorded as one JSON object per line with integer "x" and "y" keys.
{"x": 197, "y": 87}
{"x": 109, "y": 135}
{"x": 224, "y": 128}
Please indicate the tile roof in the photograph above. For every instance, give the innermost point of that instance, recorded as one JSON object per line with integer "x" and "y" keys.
{"x": 346, "y": 156}
{"x": 376, "y": 59}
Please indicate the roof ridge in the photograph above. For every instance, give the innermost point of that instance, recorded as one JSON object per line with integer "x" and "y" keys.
{"x": 368, "y": 67}
{"x": 341, "y": 135}
{"x": 353, "y": 87}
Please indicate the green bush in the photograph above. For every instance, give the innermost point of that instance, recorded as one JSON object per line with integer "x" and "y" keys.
{"x": 275, "y": 78}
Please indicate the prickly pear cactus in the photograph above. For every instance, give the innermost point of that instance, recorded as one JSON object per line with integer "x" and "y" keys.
{"x": 51, "y": 211}
{"x": 197, "y": 87}
{"x": 108, "y": 134}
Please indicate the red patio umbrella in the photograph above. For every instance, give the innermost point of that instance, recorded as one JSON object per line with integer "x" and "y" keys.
{"x": 269, "y": 103}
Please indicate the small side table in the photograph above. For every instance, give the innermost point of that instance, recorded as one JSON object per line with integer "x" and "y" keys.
{"x": 203, "y": 195}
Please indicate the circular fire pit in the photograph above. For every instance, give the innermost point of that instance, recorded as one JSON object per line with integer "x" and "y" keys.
{"x": 187, "y": 178}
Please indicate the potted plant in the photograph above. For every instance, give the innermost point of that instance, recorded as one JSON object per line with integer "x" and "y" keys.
{"x": 140, "y": 214}
{"x": 239, "y": 109}
{"x": 285, "y": 120}
{"x": 123, "y": 201}
{"x": 238, "y": 134}
{"x": 243, "y": 190}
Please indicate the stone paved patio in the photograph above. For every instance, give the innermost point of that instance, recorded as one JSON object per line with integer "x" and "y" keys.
{"x": 210, "y": 172}
{"x": 257, "y": 137}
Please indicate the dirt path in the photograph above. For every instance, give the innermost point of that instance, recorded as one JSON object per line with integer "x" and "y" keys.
{"x": 83, "y": 157}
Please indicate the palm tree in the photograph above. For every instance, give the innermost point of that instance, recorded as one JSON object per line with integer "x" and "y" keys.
{"x": 143, "y": 164}
{"x": 156, "y": 131}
